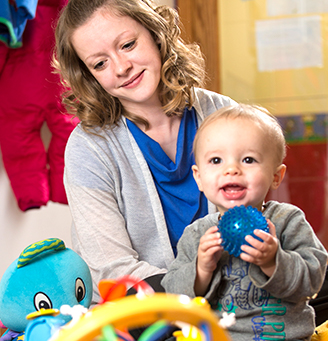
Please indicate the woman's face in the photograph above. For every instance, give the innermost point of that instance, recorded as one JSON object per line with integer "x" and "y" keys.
{"x": 123, "y": 57}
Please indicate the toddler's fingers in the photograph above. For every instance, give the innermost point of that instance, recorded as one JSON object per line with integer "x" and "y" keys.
{"x": 255, "y": 243}
{"x": 272, "y": 228}
{"x": 250, "y": 250}
{"x": 209, "y": 241}
{"x": 247, "y": 257}
{"x": 211, "y": 230}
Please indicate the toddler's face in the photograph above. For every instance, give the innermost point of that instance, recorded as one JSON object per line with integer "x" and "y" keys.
{"x": 236, "y": 164}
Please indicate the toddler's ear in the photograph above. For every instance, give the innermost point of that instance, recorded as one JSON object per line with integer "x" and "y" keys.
{"x": 278, "y": 176}
{"x": 195, "y": 173}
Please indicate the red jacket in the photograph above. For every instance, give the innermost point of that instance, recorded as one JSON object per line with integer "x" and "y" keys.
{"x": 30, "y": 97}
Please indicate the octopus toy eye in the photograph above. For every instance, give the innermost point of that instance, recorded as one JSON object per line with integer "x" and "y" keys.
{"x": 79, "y": 289}
{"x": 42, "y": 301}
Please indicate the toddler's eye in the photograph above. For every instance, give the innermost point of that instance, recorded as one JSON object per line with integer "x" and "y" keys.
{"x": 249, "y": 159}
{"x": 216, "y": 160}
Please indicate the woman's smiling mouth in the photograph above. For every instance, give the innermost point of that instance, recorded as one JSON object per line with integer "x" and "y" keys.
{"x": 134, "y": 81}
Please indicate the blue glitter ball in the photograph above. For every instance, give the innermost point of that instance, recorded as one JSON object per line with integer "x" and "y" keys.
{"x": 236, "y": 224}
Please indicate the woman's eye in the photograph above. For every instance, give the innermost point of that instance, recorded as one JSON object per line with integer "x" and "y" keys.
{"x": 215, "y": 160}
{"x": 129, "y": 45}
{"x": 249, "y": 159}
{"x": 99, "y": 65}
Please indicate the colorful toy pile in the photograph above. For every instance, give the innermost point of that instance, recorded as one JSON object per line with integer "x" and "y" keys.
{"x": 45, "y": 295}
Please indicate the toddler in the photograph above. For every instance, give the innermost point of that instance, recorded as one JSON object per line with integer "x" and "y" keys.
{"x": 239, "y": 152}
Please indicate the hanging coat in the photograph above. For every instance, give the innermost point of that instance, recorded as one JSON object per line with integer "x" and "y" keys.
{"x": 29, "y": 98}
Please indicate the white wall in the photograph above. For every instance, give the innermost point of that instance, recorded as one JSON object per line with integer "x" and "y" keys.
{"x": 20, "y": 229}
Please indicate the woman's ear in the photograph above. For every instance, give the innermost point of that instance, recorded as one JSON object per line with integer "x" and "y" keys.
{"x": 195, "y": 173}
{"x": 278, "y": 176}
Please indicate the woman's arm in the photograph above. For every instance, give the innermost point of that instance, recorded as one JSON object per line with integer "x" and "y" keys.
{"x": 113, "y": 230}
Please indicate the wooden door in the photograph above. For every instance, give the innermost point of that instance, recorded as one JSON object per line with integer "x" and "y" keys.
{"x": 199, "y": 20}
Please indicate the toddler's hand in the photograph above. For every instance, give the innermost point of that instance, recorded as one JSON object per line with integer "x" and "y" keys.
{"x": 209, "y": 250}
{"x": 263, "y": 253}
{"x": 209, "y": 253}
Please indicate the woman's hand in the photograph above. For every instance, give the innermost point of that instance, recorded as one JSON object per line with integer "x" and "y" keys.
{"x": 263, "y": 253}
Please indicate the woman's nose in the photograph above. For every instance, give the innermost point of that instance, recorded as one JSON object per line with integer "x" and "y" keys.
{"x": 122, "y": 65}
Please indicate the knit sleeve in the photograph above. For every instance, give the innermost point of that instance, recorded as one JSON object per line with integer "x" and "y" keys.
{"x": 180, "y": 278}
{"x": 301, "y": 258}
{"x": 108, "y": 221}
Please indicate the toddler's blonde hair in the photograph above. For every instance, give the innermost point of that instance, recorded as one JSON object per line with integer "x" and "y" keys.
{"x": 258, "y": 114}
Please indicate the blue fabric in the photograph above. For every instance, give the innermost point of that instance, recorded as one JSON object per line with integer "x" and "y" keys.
{"x": 181, "y": 200}
{"x": 13, "y": 19}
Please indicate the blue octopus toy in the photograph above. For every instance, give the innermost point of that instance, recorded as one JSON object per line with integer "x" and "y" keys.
{"x": 45, "y": 276}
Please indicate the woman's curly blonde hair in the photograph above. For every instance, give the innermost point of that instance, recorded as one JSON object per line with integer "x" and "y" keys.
{"x": 182, "y": 64}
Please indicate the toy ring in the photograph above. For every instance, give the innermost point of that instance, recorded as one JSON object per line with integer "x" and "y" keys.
{"x": 132, "y": 312}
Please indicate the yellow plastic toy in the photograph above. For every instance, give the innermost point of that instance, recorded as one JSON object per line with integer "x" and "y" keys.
{"x": 140, "y": 310}
{"x": 321, "y": 333}
{"x": 42, "y": 312}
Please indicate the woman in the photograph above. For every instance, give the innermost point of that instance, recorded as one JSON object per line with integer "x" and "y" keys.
{"x": 134, "y": 86}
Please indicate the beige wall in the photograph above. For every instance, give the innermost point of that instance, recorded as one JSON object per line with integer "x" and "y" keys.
{"x": 165, "y": 2}
{"x": 287, "y": 78}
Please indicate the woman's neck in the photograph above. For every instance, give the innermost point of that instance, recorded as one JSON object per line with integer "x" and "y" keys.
{"x": 162, "y": 129}
{"x": 165, "y": 131}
